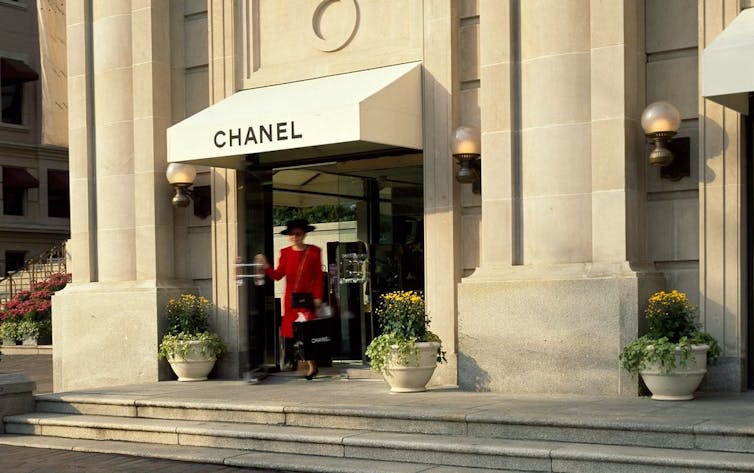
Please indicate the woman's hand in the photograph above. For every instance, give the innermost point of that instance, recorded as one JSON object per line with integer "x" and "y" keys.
{"x": 317, "y": 304}
{"x": 263, "y": 259}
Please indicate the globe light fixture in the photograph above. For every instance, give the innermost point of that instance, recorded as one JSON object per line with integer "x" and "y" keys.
{"x": 466, "y": 148}
{"x": 660, "y": 121}
{"x": 181, "y": 177}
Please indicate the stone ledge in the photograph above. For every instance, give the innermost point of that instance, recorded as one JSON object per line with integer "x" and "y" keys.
{"x": 10, "y": 350}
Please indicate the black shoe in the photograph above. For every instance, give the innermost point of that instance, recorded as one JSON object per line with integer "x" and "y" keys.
{"x": 309, "y": 377}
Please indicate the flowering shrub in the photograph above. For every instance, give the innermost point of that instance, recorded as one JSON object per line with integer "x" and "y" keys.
{"x": 30, "y": 311}
{"x": 404, "y": 314}
{"x": 670, "y": 314}
{"x": 188, "y": 321}
{"x": 188, "y": 314}
{"x": 403, "y": 318}
{"x": 672, "y": 330}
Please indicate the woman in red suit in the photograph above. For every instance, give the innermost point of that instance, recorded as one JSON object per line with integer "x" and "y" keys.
{"x": 301, "y": 265}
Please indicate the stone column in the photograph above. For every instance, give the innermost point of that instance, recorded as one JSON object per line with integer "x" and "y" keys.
{"x": 107, "y": 323}
{"x": 557, "y": 291}
{"x": 114, "y": 140}
{"x": 555, "y": 131}
{"x": 501, "y": 138}
{"x": 83, "y": 242}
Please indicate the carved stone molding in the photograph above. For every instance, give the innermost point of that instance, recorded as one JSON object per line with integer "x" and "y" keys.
{"x": 347, "y": 23}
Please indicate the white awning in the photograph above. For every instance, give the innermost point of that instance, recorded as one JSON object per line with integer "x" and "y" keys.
{"x": 377, "y": 109}
{"x": 728, "y": 64}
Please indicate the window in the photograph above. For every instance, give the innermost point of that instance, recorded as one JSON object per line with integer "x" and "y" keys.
{"x": 15, "y": 183}
{"x": 13, "y": 75}
{"x": 14, "y": 260}
{"x": 13, "y": 99}
{"x": 58, "y": 195}
{"x": 13, "y": 201}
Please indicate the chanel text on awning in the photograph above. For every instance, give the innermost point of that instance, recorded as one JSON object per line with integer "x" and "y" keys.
{"x": 257, "y": 134}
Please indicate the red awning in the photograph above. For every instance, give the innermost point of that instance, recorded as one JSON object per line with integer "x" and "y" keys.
{"x": 57, "y": 180}
{"x": 16, "y": 71}
{"x": 18, "y": 178}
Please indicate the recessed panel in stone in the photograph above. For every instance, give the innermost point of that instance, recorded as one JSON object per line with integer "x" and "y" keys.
{"x": 291, "y": 40}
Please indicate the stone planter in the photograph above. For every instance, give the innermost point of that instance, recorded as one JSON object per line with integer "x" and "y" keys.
{"x": 29, "y": 342}
{"x": 195, "y": 366}
{"x": 412, "y": 377}
{"x": 679, "y": 384}
{"x": 9, "y": 342}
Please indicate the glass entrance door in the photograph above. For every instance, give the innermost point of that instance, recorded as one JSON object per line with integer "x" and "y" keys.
{"x": 368, "y": 215}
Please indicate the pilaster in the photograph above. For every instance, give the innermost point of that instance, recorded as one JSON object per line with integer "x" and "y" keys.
{"x": 442, "y": 211}
{"x": 722, "y": 220}
{"x": 227, "y": 199}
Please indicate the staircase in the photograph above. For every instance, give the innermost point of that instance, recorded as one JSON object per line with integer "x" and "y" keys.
{"x": 354, "y": 426}
{"x": 38, "y": 268}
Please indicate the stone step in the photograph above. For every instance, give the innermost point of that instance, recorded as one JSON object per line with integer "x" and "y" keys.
{"x": 355, "y": 444}
{"x": 224, "y": 456}
{"x": 421, "y": 453}
{"x": 591, "y": 428}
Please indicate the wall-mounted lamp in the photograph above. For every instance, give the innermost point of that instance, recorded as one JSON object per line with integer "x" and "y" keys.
{"x": 660, "y": 121}
{"x": 181, "y": 177}
{"x": 466, "y": 147}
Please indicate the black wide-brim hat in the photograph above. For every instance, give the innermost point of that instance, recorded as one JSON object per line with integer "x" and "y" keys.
{"x": 298, "y": 223}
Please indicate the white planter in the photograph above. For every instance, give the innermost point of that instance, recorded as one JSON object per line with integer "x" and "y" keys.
{"x": 195, "y": 366}
{"x": 679, "y": 384}
{"x": 29, "y": 342}
{"x": 412, "y": 377}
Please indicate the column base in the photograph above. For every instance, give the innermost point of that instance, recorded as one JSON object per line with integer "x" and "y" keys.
{"x": 106, "y": 334}
{"x": 554, "y": 329}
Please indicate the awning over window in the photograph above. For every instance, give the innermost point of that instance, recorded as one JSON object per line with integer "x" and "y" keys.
{"x": 728, "y": 64}
{"x": 16, "y": 71}
{"x": 57, "y": 180}
{"x": 377, "y": 109}
{"x": 18, "y": 178}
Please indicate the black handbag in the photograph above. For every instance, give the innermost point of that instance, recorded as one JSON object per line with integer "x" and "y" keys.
{"x": 302, "y": 300}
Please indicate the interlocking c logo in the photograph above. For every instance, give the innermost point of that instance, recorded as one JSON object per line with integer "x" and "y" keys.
{"x": 349, "y": 21}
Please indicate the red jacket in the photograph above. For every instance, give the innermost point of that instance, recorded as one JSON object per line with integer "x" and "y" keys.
{"x": 298, "y": 278}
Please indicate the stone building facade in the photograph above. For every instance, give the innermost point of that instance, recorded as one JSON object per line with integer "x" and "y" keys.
{"x": 34, "y": 159}
{"x": 534, "y": 283}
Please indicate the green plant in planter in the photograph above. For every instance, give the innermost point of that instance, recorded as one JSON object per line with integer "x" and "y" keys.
{"x": 175, "y": 346}
{"x": 404, "y": 322}
{"x": 672, "y": 330}
{"x": 188, "y": 321}
{"x": 9, "y": 330}
{"x": 29, "y": 328}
